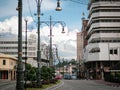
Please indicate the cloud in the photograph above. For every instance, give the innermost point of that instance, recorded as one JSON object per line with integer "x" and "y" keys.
{"x": 66, "y": 42}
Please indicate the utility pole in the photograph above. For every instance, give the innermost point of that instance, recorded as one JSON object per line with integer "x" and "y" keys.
{"x": 51, "y": 53}
{"x": 20, "y": 73}
{"x": 25, "y": 53}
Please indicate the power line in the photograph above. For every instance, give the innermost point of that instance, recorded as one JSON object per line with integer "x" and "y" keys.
{"x": 79, "y": 1}
{"x": 31, "y": 11}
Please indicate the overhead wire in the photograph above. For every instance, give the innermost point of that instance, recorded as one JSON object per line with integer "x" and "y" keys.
{"x": 31, "y": 12}
{"x": 35, "y": 21}
{"x": 78, "y": 1}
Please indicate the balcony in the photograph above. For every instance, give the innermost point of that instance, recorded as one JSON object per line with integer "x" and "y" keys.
{"x": 104, "y": 14}
{"x": 104, "y": 35}
{"x": 104, "y": 24}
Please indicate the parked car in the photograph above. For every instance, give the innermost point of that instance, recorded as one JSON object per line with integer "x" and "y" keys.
{"x": 74, "y": 77}
{"x": 58, "y": 77}
{"x": 67, "y": 76}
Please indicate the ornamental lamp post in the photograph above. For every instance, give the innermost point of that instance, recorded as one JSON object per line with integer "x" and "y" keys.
{"x": 39, "y": 2}
{"x": 51, "y": 24}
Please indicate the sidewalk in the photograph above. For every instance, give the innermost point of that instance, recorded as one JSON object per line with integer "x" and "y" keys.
{"x": 108, "y": 83}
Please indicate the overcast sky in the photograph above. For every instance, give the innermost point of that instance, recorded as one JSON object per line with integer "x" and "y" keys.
{"x": 71, "y": 14}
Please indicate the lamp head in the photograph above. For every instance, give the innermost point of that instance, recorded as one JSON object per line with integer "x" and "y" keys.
{"x": 58, "y": 8}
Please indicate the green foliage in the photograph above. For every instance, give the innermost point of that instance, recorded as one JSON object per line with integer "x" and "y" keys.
{"x": 31, "y": 72}
{"x": 73, "y": 62}
{"x": 47, "y": 73}
{"x": 61, "y": 64}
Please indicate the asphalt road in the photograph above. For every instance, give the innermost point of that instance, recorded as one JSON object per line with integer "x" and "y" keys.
{"x": 7, "y": 85}
{"x": 83, "y": 85}
{"x": 68, "y": 85}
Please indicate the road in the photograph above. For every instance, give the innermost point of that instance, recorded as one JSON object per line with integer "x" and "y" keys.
{"x": 84, "y": 85}
{"x": 7, "y": 85}
{"x": 68, "y": 85}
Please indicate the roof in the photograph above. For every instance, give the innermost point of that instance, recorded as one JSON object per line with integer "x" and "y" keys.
{"x": 7, "y": 56}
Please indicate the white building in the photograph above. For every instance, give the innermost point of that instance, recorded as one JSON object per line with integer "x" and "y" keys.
{"x": 103, "y": 49}
{"x": 9, "y": 45}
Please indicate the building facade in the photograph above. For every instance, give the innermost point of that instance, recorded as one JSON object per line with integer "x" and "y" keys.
{"x": 7, "y": 67}
{"x": 81, "y": 44}
{"x": 9, "y": 45}
{"x": 69, "y": 70}
{"x": 103, "y": 35}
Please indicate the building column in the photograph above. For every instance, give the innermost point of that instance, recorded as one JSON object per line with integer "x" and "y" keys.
{"x": 102, "y": 70}
{"x": 0, "y": 75}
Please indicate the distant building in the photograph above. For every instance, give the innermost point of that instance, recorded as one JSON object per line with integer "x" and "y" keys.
{"x": 7, "y": 67}
{"x": 79, "y": 46}
{"x": 67, "y": 70}
{"x": 81, "y": 43}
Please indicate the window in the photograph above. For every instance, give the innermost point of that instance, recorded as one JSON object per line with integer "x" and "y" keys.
{"x": 113, "y": 51}
{"x": 4, "y": 62}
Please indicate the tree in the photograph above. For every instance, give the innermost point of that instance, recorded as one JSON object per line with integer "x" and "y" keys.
{"x": 73, "y": 62}
{"x": 44, "y": 73}
{"x": 61, "y": 64}
{"x": 31, "y": 72}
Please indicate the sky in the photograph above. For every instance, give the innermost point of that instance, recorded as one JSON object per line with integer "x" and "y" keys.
{"x": 71, "y": 14}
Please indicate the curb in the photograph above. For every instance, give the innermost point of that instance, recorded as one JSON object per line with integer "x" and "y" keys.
{"x": 55, "y": 86}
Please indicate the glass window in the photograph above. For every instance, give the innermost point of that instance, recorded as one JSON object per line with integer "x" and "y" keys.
{"x": 111, "y": 51}
{"x": 4, "y": 62}
{"x": 115, "y": 51}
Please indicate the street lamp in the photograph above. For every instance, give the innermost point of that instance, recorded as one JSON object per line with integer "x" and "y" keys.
{"x": 39, "y": 2}
{"x": 25, "y": 53}
{"x": 58, "y": 8}
{"x": 51, "y": 24}
{"x": 20, "y": 73}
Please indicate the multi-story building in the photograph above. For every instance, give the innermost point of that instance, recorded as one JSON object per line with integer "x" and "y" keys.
{"x": 9, "y": 45}
{"x": 103, "y": 35}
